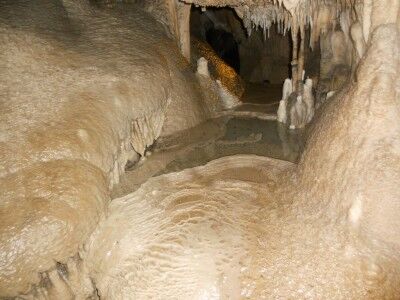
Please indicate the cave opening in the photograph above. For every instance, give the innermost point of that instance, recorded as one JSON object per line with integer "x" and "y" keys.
{"x": 261, "y": 57}
{"x": 218, "y": 27}
{"x": 225, "y": 45}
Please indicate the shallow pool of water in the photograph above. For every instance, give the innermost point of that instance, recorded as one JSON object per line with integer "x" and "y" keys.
{"x": 224, "y": 136}
{"x": 243, "y": 136}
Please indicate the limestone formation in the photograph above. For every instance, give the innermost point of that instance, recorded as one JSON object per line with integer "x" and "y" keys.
{"x": 83, "y": 91}
{"x": 294, "y": 109}
{"x": 228, "y": 99}
{"x": 86, "y": 89}
{"x": 308, "y": 98}
{"x": 282, "y": 109}
{"x": 202, "y": 67}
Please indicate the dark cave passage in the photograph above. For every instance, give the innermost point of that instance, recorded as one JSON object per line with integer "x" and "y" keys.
{"x": 225, "y": 45}
{"x": 256, "y": 57}
{"x": 259, "y": 57}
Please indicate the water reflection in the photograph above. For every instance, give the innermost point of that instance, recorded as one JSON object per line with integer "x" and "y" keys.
{"x": 244, "y": 136}
{"x": 224, "y": 136}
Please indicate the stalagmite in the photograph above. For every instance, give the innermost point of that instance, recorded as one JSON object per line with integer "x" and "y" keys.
{"x": 296, "y": 109}
{"x": 202, "y": 67}
{"x": 282, "y": 109}
{"x": 287, "y": 89}
{"x": 308, "y": 99}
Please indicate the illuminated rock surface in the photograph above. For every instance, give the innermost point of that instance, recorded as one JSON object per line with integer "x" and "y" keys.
{"x": 83, "y": 91}
{"x": 86, "y": 91}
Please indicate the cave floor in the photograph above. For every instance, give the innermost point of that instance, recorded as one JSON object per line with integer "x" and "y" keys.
{"x": 250, "y": 128}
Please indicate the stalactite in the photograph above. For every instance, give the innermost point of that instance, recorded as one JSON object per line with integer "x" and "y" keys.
{"x": 263, "y": 17}
{"x": 145, "y": 131}
{"x": 320, "y": 15}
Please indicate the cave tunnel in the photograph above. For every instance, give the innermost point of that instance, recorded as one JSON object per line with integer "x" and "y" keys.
{"x": 262, "y": 57}
{"x": 211, "y": 27}
{"x": 199, "y": 149}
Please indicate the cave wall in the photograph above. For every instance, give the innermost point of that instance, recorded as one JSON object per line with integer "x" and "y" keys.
{"x": 359, "y": 129}
{"x": 84, "y": 89}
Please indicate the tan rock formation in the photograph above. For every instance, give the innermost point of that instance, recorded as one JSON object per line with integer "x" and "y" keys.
{"x": 82, "y": 90}
{"x": 326, "y": 228}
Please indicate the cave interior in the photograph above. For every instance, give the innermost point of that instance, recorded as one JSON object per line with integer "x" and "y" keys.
{"x": 199, "y": 149}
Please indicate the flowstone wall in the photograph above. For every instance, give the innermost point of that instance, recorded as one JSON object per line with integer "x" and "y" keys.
{"x": 83, "y": 90}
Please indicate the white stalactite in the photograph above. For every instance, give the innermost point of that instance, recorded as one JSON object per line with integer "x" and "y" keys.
{"x": 146, "y": 130}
